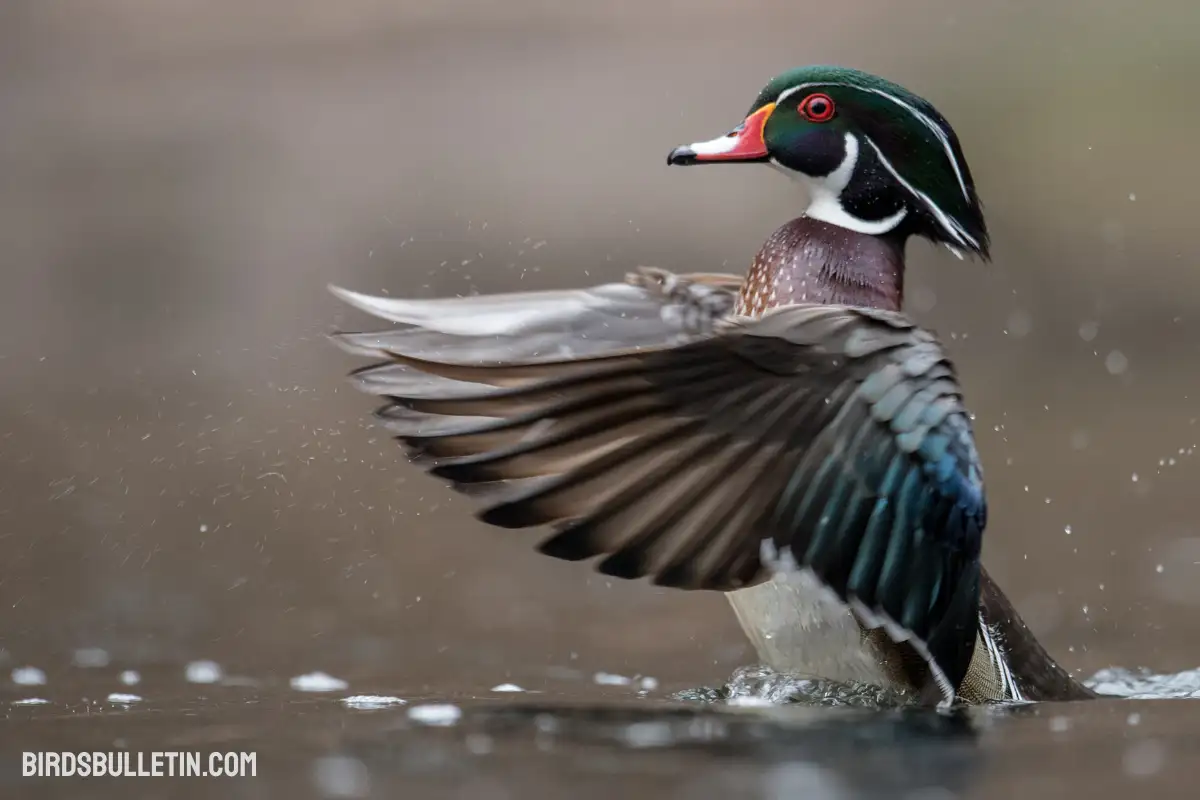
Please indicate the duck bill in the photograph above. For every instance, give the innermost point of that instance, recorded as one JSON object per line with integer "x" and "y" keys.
{"x": 744, "y": 144}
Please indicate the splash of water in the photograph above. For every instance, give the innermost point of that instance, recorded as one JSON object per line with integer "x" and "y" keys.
{"x": 1142, "y": 684}
{"x": 760, "y": 685}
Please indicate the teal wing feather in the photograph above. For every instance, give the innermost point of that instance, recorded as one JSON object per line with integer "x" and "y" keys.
{"x": 887, "y": 505}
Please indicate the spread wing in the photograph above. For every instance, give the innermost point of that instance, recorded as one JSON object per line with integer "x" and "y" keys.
{"x": 824, "y": 438}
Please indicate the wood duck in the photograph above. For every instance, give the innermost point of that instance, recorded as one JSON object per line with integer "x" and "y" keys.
{"x": 789, "y": 438}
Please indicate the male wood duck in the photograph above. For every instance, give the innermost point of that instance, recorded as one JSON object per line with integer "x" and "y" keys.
{"x": 789, "y": 438}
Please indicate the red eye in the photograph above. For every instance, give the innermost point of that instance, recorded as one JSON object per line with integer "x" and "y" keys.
{"x": 817, "y": 108}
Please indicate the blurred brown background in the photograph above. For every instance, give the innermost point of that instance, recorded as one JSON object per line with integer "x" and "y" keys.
{"x": 185, "y": 474}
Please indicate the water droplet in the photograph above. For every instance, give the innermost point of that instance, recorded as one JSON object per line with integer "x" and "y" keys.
{"x": 203, "y": 672}
{"x": 317, "y": 682}
{"x": 479, "y": 744}
{"x": 341, "y": 776}
{"x": 440, "y": 714}
{"x": 372, "y": 702}
{"x": 90, "y": 657}
{"x": 120, "y": 699}
{"x": 507, "y": 687}
{"x": 1116, "y": 362}
{"x": 1019, "y": 324}
{"x": 1144, "y": 758}
{"x": 923, "y": 299}
{"x": 28, "y": 676}
{"x": 649, "y": 734}
{"x": 609, "y": 679}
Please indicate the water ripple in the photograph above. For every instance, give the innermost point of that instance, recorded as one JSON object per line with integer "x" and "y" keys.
{"x": 1142, "y": 684}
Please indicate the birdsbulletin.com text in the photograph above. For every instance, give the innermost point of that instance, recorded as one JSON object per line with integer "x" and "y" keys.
{"x": 124, "y": 763}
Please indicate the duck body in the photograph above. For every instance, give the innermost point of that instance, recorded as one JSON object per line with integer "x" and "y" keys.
{"x": 792, "y": 621}
{"x": 789, "y": 438}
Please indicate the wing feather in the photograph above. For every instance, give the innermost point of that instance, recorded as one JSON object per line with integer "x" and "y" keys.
{"x": 680, "y": 443}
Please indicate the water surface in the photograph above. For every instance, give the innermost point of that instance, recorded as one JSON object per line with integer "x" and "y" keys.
{"x": 598, "y": 736}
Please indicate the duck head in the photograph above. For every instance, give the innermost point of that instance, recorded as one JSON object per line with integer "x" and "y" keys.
{"x": 876, "y": 159}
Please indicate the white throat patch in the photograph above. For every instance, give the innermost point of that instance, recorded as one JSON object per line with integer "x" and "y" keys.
{"x": 825, "y": 195}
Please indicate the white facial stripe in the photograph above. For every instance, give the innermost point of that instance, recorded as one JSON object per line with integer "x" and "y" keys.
{"x": 921, "y": 117}
{"x": 825, "y": 196}
{"x": 786, "y": 93}
{"x": 948, "y": 223}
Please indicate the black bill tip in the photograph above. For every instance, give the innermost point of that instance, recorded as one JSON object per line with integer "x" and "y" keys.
{"x": 681, "y": 156}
